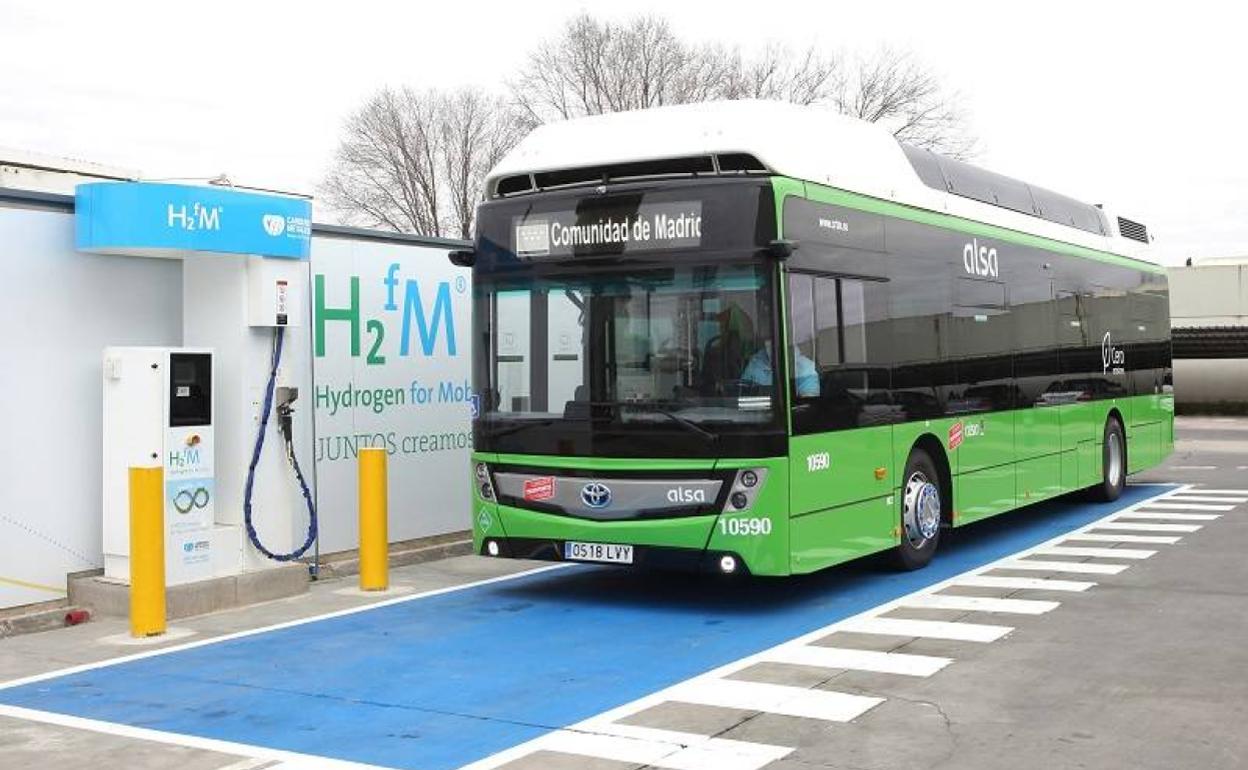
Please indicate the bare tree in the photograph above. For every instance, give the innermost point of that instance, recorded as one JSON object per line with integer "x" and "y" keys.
{"x": 776, "y": 73}
{"x": 891, "y": 88}
{"x": 415, "y": 161}
{"x": 593, "y": 67}
{"x": 477, "y": 130}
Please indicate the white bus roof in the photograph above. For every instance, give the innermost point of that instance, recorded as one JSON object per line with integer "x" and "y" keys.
{"x": 809, "y": 143}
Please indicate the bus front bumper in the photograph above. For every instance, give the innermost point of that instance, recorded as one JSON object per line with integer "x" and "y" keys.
{"x": 657, "y": 557}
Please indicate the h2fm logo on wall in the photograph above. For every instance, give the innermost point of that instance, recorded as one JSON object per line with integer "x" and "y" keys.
{"x": 429, "y": 317}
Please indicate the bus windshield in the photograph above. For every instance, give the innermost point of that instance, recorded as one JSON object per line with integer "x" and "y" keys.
{"x": 668, "y": 358}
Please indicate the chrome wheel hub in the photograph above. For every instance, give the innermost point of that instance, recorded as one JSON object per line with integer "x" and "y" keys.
{"x": 920, "y": 515}
{"x": 1114, "y": 460}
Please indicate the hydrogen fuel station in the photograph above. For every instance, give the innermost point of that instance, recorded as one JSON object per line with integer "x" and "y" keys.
{"x": 206, "y": 410}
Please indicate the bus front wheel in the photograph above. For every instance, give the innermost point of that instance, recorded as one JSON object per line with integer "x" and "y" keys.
{"x": 1113, "y": 462}
{"x": 920, "y": 512}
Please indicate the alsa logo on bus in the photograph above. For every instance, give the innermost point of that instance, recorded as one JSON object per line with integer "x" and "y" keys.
{"x": 980, "y": 260}
{"x": 686, "y": 495}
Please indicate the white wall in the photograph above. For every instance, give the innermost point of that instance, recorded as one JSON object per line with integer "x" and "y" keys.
{"x": 1209, "y": 295}
{"x": 429, "y": 444}
{"x": 1206, "y": 295}
{"x": 58, "y": 310}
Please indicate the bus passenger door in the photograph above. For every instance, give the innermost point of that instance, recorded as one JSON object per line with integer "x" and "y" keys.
{"x": 1037, "y": 421}
{"x": 840, "y": 450}
{"x": 1079, "y": 387}
{"x": 983, "y": 348}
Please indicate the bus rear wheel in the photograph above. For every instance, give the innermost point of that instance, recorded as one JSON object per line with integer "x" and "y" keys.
{"x": 920, "y": 512}
{"x": 1113, "y": 462}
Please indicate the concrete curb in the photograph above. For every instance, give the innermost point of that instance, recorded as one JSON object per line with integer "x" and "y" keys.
{"x": 43, "y": 619}
{"x": 110, "y": 598}
{"x": 350, "y": 565}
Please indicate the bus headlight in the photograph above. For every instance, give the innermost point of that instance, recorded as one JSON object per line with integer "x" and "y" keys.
{"x": 485, "y": 486}
{"x": 746, "y": 486}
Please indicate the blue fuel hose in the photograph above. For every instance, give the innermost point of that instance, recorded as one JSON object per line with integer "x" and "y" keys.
{"x": 265, "y": 411}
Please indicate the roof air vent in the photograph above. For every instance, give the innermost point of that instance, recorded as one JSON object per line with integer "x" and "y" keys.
{"x": 1133, "y": 230}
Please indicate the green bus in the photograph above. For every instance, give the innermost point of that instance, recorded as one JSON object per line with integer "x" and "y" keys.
{"x": 756, "y": 338}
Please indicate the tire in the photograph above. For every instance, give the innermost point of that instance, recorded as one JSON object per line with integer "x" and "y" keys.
{"x": 1113, "y": 463}
{"x": 920, "y": 512}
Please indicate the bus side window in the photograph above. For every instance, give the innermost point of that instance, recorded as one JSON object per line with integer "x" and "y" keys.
{"x": 832, "y": 383}
{"x": 983, "y": 347}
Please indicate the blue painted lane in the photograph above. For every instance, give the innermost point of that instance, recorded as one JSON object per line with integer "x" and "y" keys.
{"x": 445, "y": 680}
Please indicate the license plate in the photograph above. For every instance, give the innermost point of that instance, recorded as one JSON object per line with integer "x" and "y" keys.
{"x": 604, "y": 552}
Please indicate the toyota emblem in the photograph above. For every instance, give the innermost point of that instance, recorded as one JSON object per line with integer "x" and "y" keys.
{"x": 596, "y": 495}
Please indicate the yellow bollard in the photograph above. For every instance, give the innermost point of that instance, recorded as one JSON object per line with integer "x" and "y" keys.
{"x": 374, "y": 543}
{"x": 147, "y": 552}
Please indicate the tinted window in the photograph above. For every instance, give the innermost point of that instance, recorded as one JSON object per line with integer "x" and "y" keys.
{"x": 834, "y": 383}
{"x": 950, "y": 340}
{"x": 983, "y": 346}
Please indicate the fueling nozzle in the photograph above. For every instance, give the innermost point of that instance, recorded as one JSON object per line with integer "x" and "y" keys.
{"x": 285, "y": 397}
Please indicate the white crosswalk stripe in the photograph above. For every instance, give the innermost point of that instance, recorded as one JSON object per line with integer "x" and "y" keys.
{"x": 1207, "y": 499}
{"x": 931, "y": 629}
{"x": 663, "y": 748}
{"x": 1084, "y": 567}
{"x": 861, "y": 660}
{"x": 1202, "y": 491}
{"x": 1044, "y": 584}
{"x": 1117, "y": 537}
{"x": 773, "y": 698}
{"x": 1154, "y": 516}
{"x": 980, "y": 604}
{"x": 1145, "y": 527}
{"x": 1109, "y": 553}
{"x": 1188, "y": 507}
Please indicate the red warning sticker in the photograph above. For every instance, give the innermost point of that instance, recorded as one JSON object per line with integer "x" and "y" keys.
{"x": 955, "y": 436}
{"x": 540, "y": 488}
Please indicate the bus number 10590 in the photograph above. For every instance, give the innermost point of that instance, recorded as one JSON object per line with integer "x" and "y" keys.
{"x": 753, "y": 526}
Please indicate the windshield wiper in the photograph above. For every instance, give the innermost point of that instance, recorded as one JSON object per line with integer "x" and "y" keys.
{"x": 651, "y": 406}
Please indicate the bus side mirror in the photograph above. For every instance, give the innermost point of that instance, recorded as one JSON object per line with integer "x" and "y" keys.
{"x": 781, "y": 249}
{"x": 465, "y": 258}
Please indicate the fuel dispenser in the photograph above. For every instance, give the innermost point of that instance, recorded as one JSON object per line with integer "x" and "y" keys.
{"x": 158, "y": 410}
{"x": 206, "y": 411}
{"x": 273, "y": 304}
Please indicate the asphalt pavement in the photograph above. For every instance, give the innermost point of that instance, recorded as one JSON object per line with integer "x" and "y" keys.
{"x": 1064, "y": 635}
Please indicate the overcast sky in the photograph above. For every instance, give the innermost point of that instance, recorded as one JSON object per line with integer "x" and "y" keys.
{"x": 1108, "y": 102}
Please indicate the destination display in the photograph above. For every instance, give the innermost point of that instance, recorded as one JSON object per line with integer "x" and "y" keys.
{"x": 609, "y": 230}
